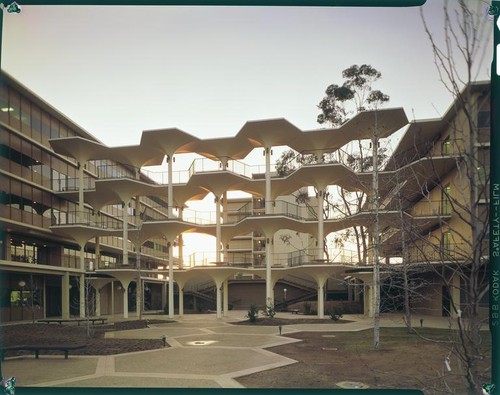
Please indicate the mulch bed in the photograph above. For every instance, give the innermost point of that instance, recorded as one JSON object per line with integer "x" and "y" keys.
{"x": 91, "y": 335}
{"x": 266, "y": 321}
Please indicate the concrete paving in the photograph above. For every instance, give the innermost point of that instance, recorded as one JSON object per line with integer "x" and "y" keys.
{"x": 204, "y": 352}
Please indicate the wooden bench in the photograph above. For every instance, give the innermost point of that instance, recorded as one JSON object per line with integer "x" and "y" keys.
{"x": 294, "y": 311}
{"x": 37, "y": 348}
{"x": 77, "y": 320}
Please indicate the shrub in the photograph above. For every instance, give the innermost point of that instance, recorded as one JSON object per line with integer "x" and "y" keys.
{"x": 252, "y": 313}
{"x": 336, "y": 313}
{"x": 270, "y": 311}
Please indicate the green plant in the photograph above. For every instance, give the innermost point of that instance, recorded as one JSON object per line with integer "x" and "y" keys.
{"x": 252, "y": 313}
{"x": 270, "y": 311}
{"x": 336, "y": 313}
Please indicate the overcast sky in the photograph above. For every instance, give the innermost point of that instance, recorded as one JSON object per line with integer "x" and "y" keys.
{"x": 117, "y": 71}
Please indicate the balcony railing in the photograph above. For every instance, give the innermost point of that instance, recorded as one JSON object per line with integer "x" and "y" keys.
{"x": 429, "y": 208}
{"x": 453, "y": 252}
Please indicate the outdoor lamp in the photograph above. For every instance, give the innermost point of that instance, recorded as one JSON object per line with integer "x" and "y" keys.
{"x": 21, "y": 283}
{"x": 12, "y": 8}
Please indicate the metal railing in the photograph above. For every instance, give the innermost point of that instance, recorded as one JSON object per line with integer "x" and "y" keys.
{"x": 452, "y": 252}
{"x": 428, "y": 208}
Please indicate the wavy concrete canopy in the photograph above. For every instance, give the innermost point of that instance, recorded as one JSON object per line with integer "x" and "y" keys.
{"x": 80, "y": 233}
{"x": 270, "y": 133}
{"x": 221, "y": 149}
{"x": 184, "y": 192}
{"x": 79, "y": 148}
{"x": 319, "y": 176}
{"x": 268, "y": 225}
{"x": 169, "y": 141}
{"x": 125, "y": 188}
{"x": 359, "y": 127}
{"x": 136, "y": 155}
{"x": 218, "y": 182}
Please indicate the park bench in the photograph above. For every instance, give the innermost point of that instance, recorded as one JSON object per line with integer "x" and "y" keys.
{"x": 294, "y": 311}
{"x": 37, "y": 348}
{"x": 77, "y": 320}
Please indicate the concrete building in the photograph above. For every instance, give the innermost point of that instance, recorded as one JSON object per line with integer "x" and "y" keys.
{"x": 82, "y": 221}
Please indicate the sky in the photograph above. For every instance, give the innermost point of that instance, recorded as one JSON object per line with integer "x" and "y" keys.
{"x": 117, "y": 71}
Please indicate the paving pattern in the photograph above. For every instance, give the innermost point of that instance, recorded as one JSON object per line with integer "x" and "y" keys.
{"x": 204, "y": 352}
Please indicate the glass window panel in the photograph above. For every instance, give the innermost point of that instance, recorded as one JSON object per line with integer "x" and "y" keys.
{"x": 4, "y": 104}
{"x": 26, "y": 116}
{"x": 36, "y": 123}
{"x": 54, "y": 128}
{"x": 14, "y": 109}
{"x": 45, "y": 127}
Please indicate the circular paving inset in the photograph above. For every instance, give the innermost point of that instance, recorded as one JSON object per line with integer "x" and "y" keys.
{"x": 352, "y": 385}
{"x": 201, "y": 342}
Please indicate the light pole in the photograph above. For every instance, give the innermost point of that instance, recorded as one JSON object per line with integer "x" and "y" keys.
{"x": 284, "y": 295}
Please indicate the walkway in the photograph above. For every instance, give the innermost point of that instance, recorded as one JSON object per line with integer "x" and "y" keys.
{"x": 204, "y": 352}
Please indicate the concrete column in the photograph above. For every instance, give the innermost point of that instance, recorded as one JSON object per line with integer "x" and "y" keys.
{"x": 218, "y": 286}
{"x": 320, "y": 224}
{"x": 224, "y": 207}
{"x": 171, "y": 280}
{"x": 170, "y": 159}
{"x": 163, "y": 295}
{"x": 269, "y": 282}
{"x": 65, "y": 296}
{"x": 44, "y": 297}
{"x": 6, "y": 241}
{"x": 98, "y": 302}
{"x": 226, "y": 298}
{"x": 80, "y": 216}
{"x": 218, "y": 232}
{"x": 125, "y": 233}
{"x": 82, "y": 295}
{"x": 125, "y": 300}
{"x": 97, "y": 253}
{"x": 112, "y": 298}
{"x": 269, "y": 207}
{"x": 321, "y": 300}
{"x": 181, "y": 301}
{"x": 181, "y": 242}
{"x": 138, "y": 299}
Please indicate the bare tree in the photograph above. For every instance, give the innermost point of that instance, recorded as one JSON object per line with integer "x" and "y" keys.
{"x": 457, "y": 251}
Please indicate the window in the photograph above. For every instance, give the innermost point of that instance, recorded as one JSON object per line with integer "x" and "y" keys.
{"x": 445, "y": 200}
{"x": 483, "y": 119}
{"x": 446, "y": 244}
{"x": 446, "y": 147}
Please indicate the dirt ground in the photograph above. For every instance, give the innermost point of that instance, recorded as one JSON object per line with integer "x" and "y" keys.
{"x": 324, "y": 358}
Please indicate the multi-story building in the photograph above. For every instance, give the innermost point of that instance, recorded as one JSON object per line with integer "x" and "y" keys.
{"x": 76, "y": 212}
{"x": 442, "y": 188}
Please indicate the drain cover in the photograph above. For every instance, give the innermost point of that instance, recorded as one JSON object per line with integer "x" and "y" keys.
{"x": 352, "y": 385}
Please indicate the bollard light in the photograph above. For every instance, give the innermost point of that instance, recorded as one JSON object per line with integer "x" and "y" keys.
{"x": 164, "y": 340}
{"x": 280, "y": 327}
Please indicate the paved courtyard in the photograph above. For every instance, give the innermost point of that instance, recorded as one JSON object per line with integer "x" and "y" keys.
{"x": 204, "y": 352}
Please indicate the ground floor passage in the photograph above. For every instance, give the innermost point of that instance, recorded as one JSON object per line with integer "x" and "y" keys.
{"x": 30, "y": 296}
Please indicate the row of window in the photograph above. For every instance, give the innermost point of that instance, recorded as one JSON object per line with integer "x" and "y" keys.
{"x": 29, "y": 118}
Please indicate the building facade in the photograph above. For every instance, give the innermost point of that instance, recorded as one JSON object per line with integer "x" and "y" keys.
{"x": 82, "y": 222}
